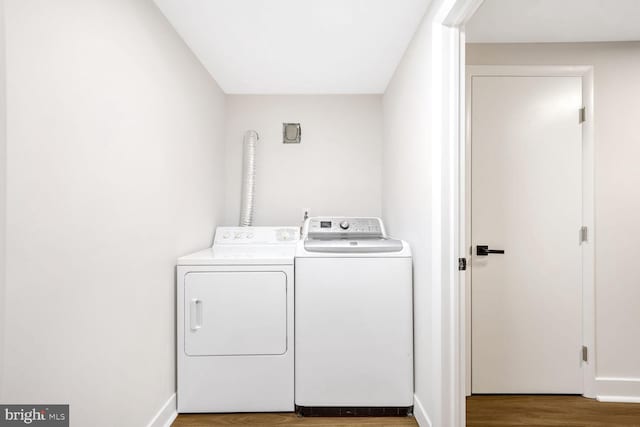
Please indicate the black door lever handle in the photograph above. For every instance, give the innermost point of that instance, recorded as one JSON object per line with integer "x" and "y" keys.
{"x": 483, "y": 250}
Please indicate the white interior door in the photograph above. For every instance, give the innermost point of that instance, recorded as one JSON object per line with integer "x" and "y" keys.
{"x": 526, "y": 147}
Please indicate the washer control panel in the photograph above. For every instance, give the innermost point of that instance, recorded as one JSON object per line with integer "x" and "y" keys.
{"x": 344, "y": 227}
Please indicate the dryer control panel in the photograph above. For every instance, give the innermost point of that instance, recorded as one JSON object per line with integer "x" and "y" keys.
{"x": 344, "y": 227}
{"x": 256, "y": 235}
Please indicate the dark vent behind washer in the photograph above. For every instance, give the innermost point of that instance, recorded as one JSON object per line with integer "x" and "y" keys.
{"x": 354, "y": 411}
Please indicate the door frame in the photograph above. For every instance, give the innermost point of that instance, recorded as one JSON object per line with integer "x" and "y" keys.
{"x": 588, "y": 220}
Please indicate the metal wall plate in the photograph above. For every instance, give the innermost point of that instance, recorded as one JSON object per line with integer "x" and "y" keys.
{"x": 291, "y": 133}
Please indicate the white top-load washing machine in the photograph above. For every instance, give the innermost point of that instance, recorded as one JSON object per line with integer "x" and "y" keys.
{"x": 354, "y": 319}
{"x": 235, "y": 322}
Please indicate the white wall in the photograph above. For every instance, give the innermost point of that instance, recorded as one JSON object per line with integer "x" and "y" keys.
{"x": 406, "y": 200}
{"x": 3, "y": 184}
{"x": 335, "y": 170}
{"x": 617, "y": 201}
{"x": 115, "y": 143}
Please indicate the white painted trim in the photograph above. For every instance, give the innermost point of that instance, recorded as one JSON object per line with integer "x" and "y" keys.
{"x": 588, "y": 207}
{"x": 618, "y": 399}
{"x": 447, "y": 71}
{"x": 464, "y": 226}
{"x": 529, "y": 70}
{"x": 420, "y": 414}
{"x": 444, "y": 219}
{"x": 588, "y": 248}
{"x": 619, "y": 379}
{"x": 457, "y": 297}
{"x": 460, "y": 13}
{"x": 618, "y": 389}
{"x": 166, "y": 415}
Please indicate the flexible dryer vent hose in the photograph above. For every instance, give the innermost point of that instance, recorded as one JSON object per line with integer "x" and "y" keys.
{"x": 248, "y": 177}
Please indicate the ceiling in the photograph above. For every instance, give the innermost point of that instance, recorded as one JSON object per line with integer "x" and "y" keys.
{"x": 297, "y": 46}
{"x": 506, "y": 21}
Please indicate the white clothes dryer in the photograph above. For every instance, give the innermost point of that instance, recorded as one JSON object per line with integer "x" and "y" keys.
{"x": 235, "y": 322}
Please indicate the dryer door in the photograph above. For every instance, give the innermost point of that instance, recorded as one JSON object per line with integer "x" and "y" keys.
{"x": 235, "y": 313}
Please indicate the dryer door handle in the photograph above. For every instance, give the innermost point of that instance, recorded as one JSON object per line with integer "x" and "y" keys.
{"x": 195, "y": 314}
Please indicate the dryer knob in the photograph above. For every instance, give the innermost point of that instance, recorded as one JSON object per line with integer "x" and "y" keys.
{"x": 344, "y": 225}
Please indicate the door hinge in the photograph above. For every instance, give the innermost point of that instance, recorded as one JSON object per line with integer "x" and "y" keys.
{"x": 582, "y": 115}
{"x": 585, "y": 353}
{"x": 584, "y": 234}
{"x": 462, "y": 264}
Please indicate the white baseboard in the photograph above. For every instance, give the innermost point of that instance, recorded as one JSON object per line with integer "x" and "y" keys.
{"x": 618, "y": 399}
{"x": 625, "y": 390}
{"x": 420, "y": 414}
{"x": 166, "y": 415}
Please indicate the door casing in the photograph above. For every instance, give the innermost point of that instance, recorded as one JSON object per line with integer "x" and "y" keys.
{"x": 588, "y": 283}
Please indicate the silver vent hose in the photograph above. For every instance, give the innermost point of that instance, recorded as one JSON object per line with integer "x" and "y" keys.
{"x": 248, "y": 177}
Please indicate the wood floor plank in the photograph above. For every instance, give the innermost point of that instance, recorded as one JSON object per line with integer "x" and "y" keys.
{"x": 553, "y": 410}
{"x": 287, "y": 420}
{"x": 482, "y": 411}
